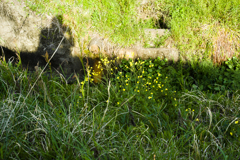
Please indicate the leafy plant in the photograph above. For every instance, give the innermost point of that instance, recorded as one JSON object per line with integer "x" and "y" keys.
{"x": 233, "y": 64}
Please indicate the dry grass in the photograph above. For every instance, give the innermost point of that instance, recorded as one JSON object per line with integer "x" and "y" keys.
{"x": 226, "y": 44}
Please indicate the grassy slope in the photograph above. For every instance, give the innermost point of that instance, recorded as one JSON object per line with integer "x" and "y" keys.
{"x": 199, "y": 28}
{"x": 115, "y": 19}
{"x": 147, "y": 110}
{"x": 205, "y": 27}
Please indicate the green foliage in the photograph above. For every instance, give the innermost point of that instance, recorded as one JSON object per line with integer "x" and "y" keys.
{"x": 195, "y": 24}
{"x": 116, "y": 19}
{"x": 148, "y": 109}
{"x": 141, "y": 108}
{"x": 233, "y": 64}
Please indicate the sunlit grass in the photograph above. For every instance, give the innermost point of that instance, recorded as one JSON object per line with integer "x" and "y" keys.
{"x": 116, "y": 20}
{"x": 197, "y": 28}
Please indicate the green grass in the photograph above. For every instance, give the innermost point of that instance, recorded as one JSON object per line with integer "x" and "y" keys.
{"x": 199, "y": 28}
{"x": 141, "y": 109}
{"x": 116, "y": 19}
{"x": 148, "y": 109}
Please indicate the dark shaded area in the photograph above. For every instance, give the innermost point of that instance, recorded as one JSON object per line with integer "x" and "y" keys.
{"x": 162, "y": 23}
{"x": 28, "y": 60}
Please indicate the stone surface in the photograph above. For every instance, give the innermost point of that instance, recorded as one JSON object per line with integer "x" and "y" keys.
{"x": 153, "y": 35}
{"x": 18, "y": 28}
{"x": 33, "y": 37}
{"x": 99, "y": 46}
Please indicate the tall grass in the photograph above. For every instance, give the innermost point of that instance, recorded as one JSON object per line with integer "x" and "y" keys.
{"x": 126, "y": 115}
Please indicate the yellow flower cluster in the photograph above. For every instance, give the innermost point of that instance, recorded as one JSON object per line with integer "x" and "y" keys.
{"x": 142, "y": 77}
{"x": 189, "y": 109}
{"x": 145, "y": 82}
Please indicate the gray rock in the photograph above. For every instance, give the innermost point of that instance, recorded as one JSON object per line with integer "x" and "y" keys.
{"x": 36, "y": 38}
